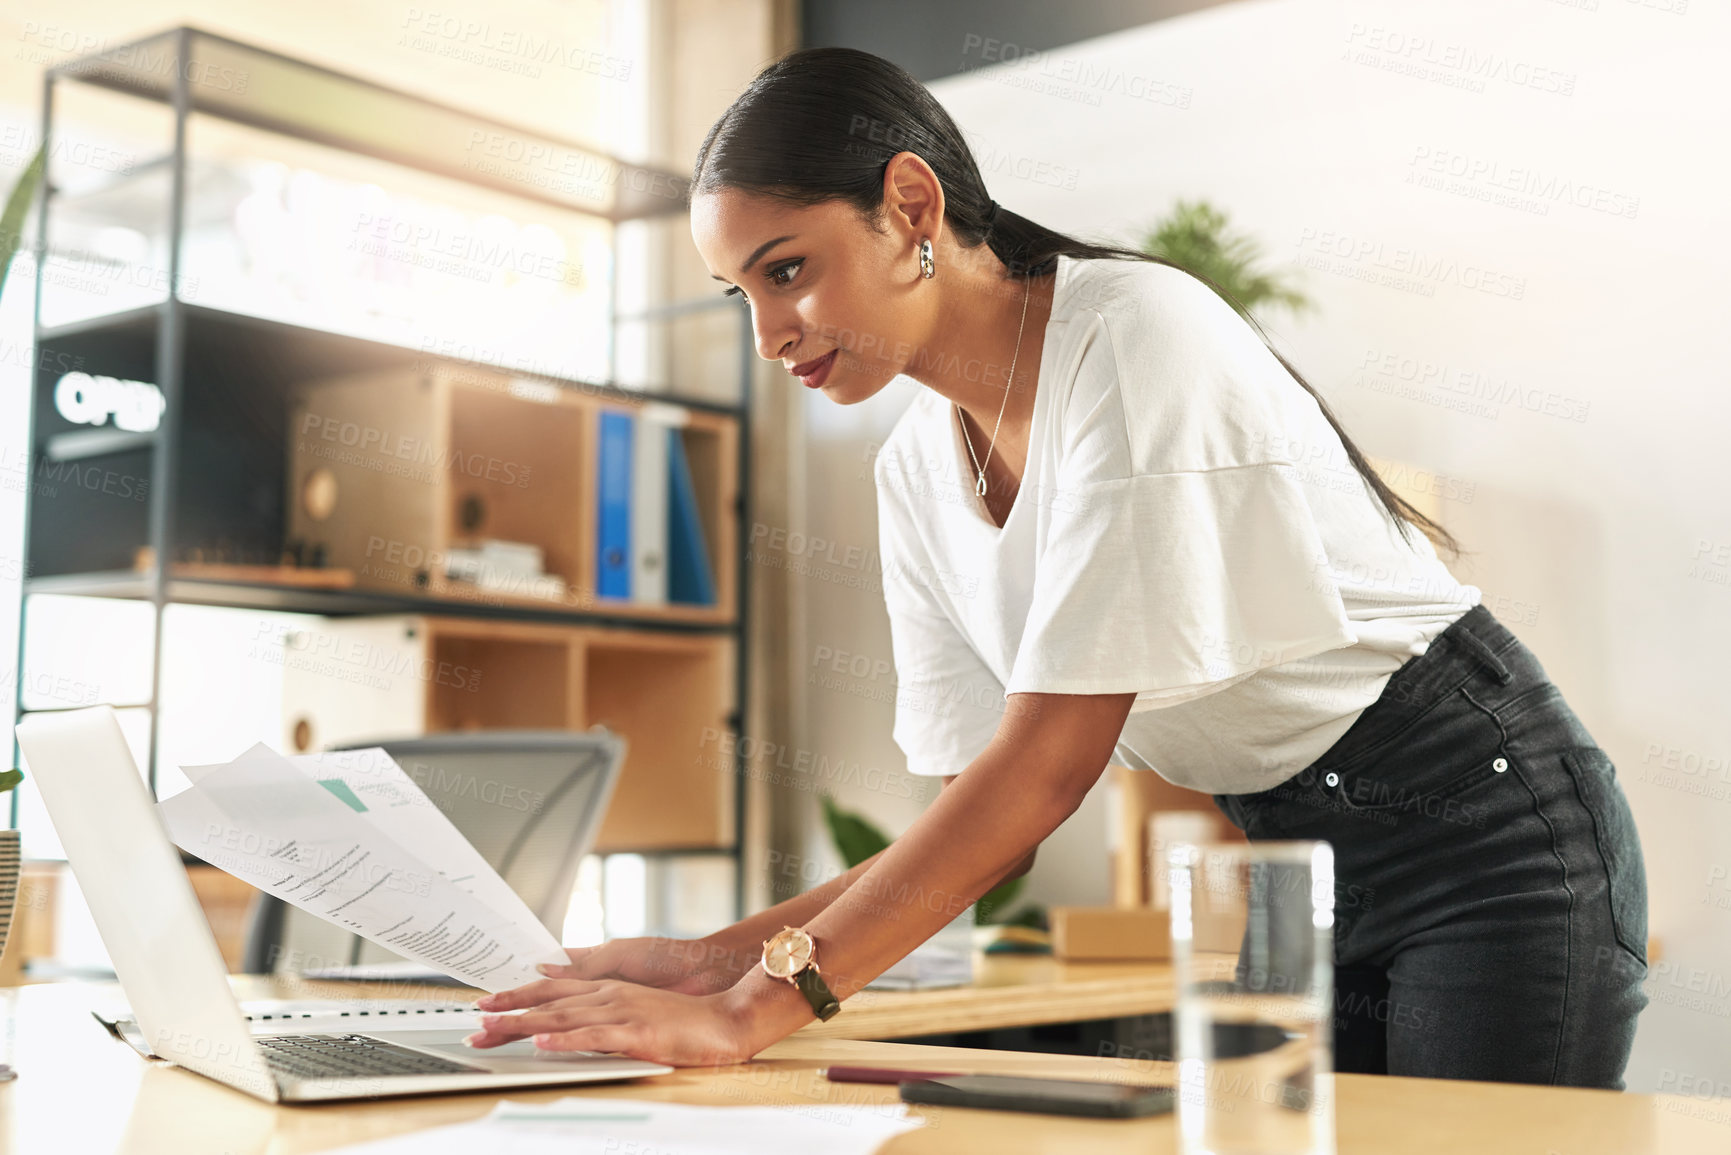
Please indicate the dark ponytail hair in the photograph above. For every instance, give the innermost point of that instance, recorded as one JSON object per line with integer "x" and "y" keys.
{"x": 819, "y": 125}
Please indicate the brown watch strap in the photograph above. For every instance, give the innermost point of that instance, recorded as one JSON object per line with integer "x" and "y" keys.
{"x": 817, "y": 993}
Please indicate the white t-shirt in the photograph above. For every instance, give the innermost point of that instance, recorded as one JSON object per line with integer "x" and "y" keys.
{"x": 1187, "y": 526}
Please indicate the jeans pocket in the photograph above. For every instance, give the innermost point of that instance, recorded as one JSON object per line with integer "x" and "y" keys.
{"x": 1429, "y": 767}
{"x": 1619, "y": 844}
{"x": 1369, "y": 736}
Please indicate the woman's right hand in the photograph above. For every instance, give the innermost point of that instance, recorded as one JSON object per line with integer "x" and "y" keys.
{"x": 699, "y": 966}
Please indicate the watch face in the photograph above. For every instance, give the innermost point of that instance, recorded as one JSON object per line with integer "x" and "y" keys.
{"x": 788, "y": 953}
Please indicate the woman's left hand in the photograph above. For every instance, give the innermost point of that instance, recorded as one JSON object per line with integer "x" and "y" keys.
{"x": 625, "y": 1018}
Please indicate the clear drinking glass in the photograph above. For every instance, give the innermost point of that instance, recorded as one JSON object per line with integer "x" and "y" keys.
{"x": 1253, "y": 955}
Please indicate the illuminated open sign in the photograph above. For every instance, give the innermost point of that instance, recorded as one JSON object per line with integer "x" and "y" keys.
{"x": 87, "y": 400}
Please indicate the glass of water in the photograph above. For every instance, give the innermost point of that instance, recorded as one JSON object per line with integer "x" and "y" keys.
{"x": 1253, "y": 955}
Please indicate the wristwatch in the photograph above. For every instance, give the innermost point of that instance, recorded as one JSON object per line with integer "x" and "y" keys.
{"x": 791, "y": 954}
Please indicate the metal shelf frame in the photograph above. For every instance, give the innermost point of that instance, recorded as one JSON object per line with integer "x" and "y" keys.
{"x": 359, "y": 116}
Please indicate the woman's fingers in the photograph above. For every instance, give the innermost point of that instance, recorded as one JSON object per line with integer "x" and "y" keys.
{"x": 655, "y": 962}
{"x": 534, "y": 994}
{"x": 577, "y": 968}
{"x": 564, "y": 1015}
{"x": 614, "y": 1038}
{"x": 645, "y": 961}
{"x": 592, "y": 962}
{"x": 499, "y": 1029}
{"x": 599, "y": 962}
{"x": 629, "y": 1019}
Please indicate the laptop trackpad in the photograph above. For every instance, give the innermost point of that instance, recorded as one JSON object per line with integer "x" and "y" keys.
{"x": 450, "y": 1043}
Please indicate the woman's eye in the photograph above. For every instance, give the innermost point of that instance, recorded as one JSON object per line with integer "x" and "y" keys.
{"x": 773, "y": 276}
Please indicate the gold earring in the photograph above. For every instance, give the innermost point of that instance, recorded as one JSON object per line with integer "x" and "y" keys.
{"x": 927, "y": 268}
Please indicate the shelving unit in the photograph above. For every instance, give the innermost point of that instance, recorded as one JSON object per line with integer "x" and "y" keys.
{"x": 210, "y": 518}
{"x": 473, "y": 674}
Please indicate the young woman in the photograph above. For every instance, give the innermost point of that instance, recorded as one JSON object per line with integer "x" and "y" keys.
{"x": 1116, "y": 526}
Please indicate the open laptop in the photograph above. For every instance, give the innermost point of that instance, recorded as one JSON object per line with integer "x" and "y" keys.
{"x": 168, "y": 963}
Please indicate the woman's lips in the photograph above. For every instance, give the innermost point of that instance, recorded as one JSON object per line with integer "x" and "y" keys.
{"x": 813, "y": 373}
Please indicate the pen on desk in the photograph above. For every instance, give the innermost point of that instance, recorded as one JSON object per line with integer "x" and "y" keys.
{"x": 880, "y": 1075}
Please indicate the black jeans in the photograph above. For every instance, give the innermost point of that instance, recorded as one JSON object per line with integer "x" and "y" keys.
{"x": 1490, "y": 900}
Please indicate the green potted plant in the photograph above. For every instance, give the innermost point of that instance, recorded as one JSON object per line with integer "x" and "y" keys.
{"x": 11, "y": 231}
{"x": 1197, "y": 238}
{"x": 17, "y": 205}
{"x": 857, "y": 839}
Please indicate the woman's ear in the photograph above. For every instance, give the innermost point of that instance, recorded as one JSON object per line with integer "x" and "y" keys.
{"x": 913, "y": 198}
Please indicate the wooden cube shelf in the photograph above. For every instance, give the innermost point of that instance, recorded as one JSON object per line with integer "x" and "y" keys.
{"x": 390, "y": 471}
{"x": 1135, "y": 797}
{"x": 668, "y": 695}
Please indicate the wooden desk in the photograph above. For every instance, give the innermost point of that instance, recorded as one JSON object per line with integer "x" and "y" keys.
{"x": 1008, "y": 991}
{"x": 79, "y": 1090}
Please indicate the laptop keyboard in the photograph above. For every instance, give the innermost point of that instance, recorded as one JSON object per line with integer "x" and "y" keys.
{"x": 351, "y": 1056}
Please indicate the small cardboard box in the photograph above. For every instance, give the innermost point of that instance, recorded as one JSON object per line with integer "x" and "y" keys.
{"x": 1111, "y": 933}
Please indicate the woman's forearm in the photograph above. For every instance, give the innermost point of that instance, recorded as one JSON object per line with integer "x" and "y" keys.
{"x": 971, "y": 836}
{"x": 738, "y": 946}
{"x": 1048, "y": 752}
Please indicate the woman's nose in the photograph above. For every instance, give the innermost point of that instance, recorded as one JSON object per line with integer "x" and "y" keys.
{"x": 776, "y": 335}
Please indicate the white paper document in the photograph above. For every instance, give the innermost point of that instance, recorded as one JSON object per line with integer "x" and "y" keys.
{"x": 352, "y": 839}
{"x": 580, "y": 1125}
{"x": 927, "y": 967}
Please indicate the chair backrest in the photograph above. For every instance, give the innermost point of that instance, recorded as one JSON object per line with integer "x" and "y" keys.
{"x": 531, "y": 801}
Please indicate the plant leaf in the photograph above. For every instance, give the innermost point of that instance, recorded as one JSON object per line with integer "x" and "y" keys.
{"x": 1032, "y": 916}
{"x": 1195, "y": 237}
{"x": 854, "y": 836}
{"x": 9, "y": 779}
{"x": 17, "y": 205}
{"x": 996, "y": 899}
{"x": 857, "y": 839}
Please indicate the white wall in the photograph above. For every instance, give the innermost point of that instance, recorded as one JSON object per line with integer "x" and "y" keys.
{"x": 1578, "y": 418}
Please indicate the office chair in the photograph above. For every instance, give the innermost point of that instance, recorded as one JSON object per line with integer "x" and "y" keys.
{"x": 530, "y": 801}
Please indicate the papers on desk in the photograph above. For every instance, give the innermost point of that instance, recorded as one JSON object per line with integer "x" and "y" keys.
{"x": 350, "y": 838}
{"x": 928, "y": 966}
{"x": 399, "y": 971}
{"x": 579, "y": 1125}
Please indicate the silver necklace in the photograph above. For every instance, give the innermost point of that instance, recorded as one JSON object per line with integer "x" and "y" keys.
{"x": 980, "y": 488}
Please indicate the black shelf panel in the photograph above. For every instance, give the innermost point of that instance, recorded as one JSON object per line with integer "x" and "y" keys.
{"x": 89, "y": 511}
{"x": 295, "y": 351}
{"x": 135, "y": 323}
{"x": 85, "y": 445}
{"x": 266, "y": 90}
{"x": 136, "y": 585}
